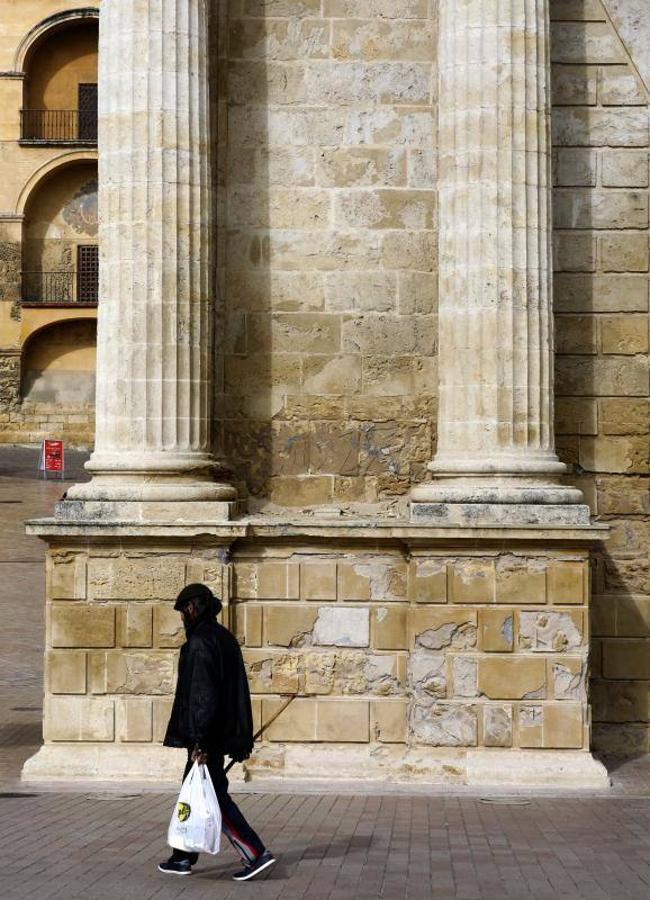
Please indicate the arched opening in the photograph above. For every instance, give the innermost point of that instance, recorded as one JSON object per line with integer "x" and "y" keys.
{"x": 58, "y": 365}
{"x": 60, "y": 252}
{"x": 60, "y": 93}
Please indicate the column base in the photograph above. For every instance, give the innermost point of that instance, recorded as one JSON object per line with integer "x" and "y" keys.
{"x": 131, "y": 511}
{"x": 364, "y": 767}
{"x": 466, "y": 514}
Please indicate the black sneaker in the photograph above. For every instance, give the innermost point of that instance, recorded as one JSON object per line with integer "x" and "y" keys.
{"x": 252, "y": 870}
{"x": 178, "y": 866}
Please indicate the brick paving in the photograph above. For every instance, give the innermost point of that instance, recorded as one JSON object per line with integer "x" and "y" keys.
{"x": 104, "y": 846}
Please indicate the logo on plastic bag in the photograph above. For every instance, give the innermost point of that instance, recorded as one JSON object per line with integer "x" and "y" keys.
{"x": 183, "y": 811}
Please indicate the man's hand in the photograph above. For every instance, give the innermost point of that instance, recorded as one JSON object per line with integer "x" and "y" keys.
{"x": 199, "y": 756}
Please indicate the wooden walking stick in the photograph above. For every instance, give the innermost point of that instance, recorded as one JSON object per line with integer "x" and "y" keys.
{"x": 264, "y": 727}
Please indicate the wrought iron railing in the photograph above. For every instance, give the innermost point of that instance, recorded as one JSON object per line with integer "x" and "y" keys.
{"x": 56, "y": 126}
{"x": 60, "y": 287}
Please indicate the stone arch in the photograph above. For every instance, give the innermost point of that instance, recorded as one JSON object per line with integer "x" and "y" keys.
{"x": 51, "y": 23}
{"x": 33, "y": 183}
{"x": 58, "y": 363}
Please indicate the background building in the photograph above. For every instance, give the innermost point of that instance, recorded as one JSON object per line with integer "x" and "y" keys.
{"x": 48, "y": 221}
{"x": 326, "y": 129}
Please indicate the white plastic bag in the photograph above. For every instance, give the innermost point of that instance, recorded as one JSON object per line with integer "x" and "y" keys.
{"x": 196, "y": 821}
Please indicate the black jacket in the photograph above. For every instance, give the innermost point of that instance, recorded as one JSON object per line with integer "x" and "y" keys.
{"x": 212, "y": 705}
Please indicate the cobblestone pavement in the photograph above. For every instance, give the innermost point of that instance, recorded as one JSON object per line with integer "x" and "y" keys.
{"x": 104, "y": 846}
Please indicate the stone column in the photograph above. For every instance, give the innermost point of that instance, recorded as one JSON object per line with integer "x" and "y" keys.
{"x": 495, "y": 422}
{"x": 154, "y": 355}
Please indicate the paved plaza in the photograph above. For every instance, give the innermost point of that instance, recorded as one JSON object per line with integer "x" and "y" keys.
{"x": 101, "y": 844}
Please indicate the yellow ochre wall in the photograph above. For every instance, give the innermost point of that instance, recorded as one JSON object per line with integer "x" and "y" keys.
{"x": 40, "y": 68}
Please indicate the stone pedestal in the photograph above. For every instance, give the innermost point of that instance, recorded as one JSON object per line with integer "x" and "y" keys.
{"x": 495, "y": 422}
{"x": 154, "y": 354}
{"x": 418, "y": 654}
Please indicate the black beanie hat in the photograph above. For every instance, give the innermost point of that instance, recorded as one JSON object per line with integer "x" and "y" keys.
{"x": 206, "y": 601}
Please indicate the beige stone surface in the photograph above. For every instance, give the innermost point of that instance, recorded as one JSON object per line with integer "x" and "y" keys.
{"x": 506, "y": 678}
{"x": 67, "y": 672}
{"x": 327, "y": 366}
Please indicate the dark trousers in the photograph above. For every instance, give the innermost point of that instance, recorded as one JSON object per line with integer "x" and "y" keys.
{"x": 245, "y": 841}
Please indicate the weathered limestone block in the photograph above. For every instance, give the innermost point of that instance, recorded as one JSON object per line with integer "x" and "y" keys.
{"x": 585, "y": 42}
{"x": 277, "y": 581}
{"x": 79, "y": 719}
{"x": 625, "y": 168}
{"x": 568, "y": 583}
{"x": 427, "y": 674}
{"x": 297, "y": 722}
{"x": 385, "y": 674}
{"x": 520, "y": 579}
{"x": 134, "y": 716}
{"x": 318, "y": 580}
{"x": 436, "y": 629}
{"x": 390, "y": 628}
{"x": 576, "y": 167}
{"x": 66, "y": 576}
{"x": 259, "y": 667}
{"x": 625, "y": 252}
{"x": 496, "y": 630}
{"x": 162, "y": 707}
{"x": 624, "y": 335}
{"x": 246, "y": 622}
{"x": 464, "y": 673}
{"x": 82, "y": 626}
{"x": 472, "y": 581}
{"x": 319, "y": 672}
{"x": 289, "y": 626}
{"x": 620, "y": 701}
{"x": 563, "y": 725}
{"x": 369, "y": 9}
{"x": 133, "y": 578}
{"x": 626, "y": 659}
{"x": 549, "y": 631}
{"x": 512, "y": 677}
{"x": 573, "y": 85}
{"x": 497, "y": 726}
{"x": 168, "y": 626}
{"x": 130, "y": 672}
{"x": 382, "y": 39}
{"x": 599, "y": 210}
{"x": 442, "y": 724}
{"x": 531, "y": 726}
{"x": 66, "y": 671}
{"x": 342, "y": 627}
{"x": 362, "y": 167}
{"x": 601, "y": 293}
{"x": 428, "y": 581}
{"x": 569, "y": 679}
{"x": 135, "y": 625}
{"x": 343, "y": 720}
{"x": 353, "y": 582}
{"x": 388, "y": 721}
{"x": 618, "y": 127}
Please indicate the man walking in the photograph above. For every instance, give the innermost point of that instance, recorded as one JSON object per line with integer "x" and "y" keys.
{"x": 211, "y": 717}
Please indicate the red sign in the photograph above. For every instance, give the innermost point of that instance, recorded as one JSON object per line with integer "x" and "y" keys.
{"x": 52, "y": 459}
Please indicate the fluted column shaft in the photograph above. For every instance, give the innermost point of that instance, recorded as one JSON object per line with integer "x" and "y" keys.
{"x": 154, "y": 354}
{"x": 495, "y": 424}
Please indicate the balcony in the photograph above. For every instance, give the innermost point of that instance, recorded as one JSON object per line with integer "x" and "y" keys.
{"x": 58, "y": 126}
{"x": 60, "y": 288}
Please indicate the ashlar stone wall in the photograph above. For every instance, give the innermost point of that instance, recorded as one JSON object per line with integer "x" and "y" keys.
{"x": 327, "y": 167}
{"x": 395, "y": 648}
{"x": 600, "y": 133}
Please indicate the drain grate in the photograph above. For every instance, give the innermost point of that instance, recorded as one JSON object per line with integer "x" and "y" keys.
{"x": 27, "y": 709}
{"x": 506, "y": 801}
